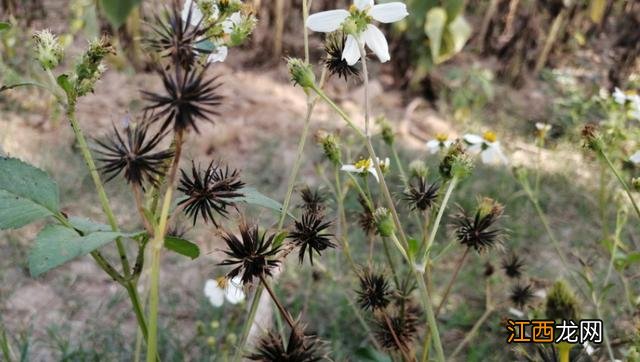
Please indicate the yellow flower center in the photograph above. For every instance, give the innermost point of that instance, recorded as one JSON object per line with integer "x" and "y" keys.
{"x": 489, "y": 136}
{"x": 222, "y": 282}
{"x": 441, "y": 137}
{"x": 363, "y": 164}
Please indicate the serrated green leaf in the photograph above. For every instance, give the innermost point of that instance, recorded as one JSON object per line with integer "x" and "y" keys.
{"x": 182, "y": 247}
{"x": 57, "y": 244}
{"x": 434, "y": 27}
{"x": 26, "y": 194}
{"x": 117, "y": 11}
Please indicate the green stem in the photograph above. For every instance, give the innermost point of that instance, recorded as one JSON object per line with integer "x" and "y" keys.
{"x": 436, "y": 224}
{"x": 622, "y": 182}
{"x": 156, "y": 247}
{"x": 452, "y": 280}
{"x": 387, "y": 252}
{"x": 431, "y": 318}
{"x": 275, "y": 300}
{"x": 137, "y": 308}
{"x": 342, "y": 221}
{"x": 102, "y": 195}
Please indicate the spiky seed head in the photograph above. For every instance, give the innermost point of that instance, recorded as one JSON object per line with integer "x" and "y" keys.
{"x": 252, "y": 255}
{"x": 477, "y": 231}
{"x": 521, "y": 295}
{"x": 513, "y": 266}
{"x": 561, "y": 302}
{"x": 420, "y": 195}
{"x": 374, "y": 293}
{"x": 312, "y": 200}
{"x": 301, "y": 347}
{"x": 404, "y": 324}
{"x": 309, "y": 234}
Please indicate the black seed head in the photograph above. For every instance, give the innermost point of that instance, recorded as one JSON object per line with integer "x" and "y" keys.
{"x": 513, "y": 266}
{"x": 309, "y": 234}
{"x": 252, "y": 255}
{"x": 475, "y": 232}
{"x": 178, "y": 39}
{"x": 301, "y": 347}
{"x": 134, "y": 154}
{"x": 374, "y": 292}
{"x": 210, "y": 191}
{"x": 521, "y": 295}
{"x": 313, "y": 200}
{"x": 365, "y": 219}
{"x": 421, "y": 196}
{"x": 404, "y": 323}
{"x": 333, "y": 47}
{"x": 189, "y": 97}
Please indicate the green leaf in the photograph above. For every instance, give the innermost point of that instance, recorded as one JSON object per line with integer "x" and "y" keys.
{"x": 4, "y": 26}
{"x": 454, "y": 8}
{"x": 65, "y": 84}
{"x": 279, "y": 239}
{"x": 117, "y": 11}
{"x": 26, "y": 194}
{"x": 459, "y": 30}
{"x": 254, "y": 197}
{"x": 88, "y": 226}
{"x": 182, "y": 247}
{"x": 434, "y": 28}
{"x": 56, "y": 245}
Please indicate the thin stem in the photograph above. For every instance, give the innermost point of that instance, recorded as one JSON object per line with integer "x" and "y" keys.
{"x": 342, "y": 220}
{"x": 137, "y": 308}
{"x": 405, "y": 354}
{"x": 622, "y": 182}
{"x": 365, "y": 76}
{"x": 436, "y": 224}
{"x": 431, "y": 318}
{"x": 387, "y": 253}
{"x": 137, "y": 195}
{"x": 489, "y": 308}
{"x": 452, "y": 280}
{"x": 275, "y": 299}
{"x": 156, "y": 248}
{"x": 607, "y": 343}
{"x": 102, "y": 195}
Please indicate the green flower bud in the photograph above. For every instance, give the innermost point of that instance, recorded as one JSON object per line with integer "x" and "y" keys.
{"x": 388, "y": 136}
{"x": 331, "y": 148}
{"x": 48, "y": 49}
{"x": 214, "y": 324}
{"x": 211, "y": 341}
{"x": 635, "y": 183}
{"x": 231, "y": 338}
{"x": 242, "y": 30}
{"x": 90, "y": 68}
{"x": 561, "y": 302}
{"x": 417, "y": 168}
{"x": 456, "y": 163}
{"x": 301, "y": 73}
{"x": 384, "y": 222}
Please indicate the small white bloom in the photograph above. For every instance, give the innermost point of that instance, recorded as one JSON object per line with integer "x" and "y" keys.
{"x": 219, "y": 290}
{"x": 635, "y": 158}
{"x": 487, "y": 147}
{"x": 196, "y": 14}
{"x": 543, "y": 127}
{"x": 218, "y": 55}
{"x": 516, "y": 312}
{"x": 359, "y": 16}
{"x": 366, "y": 165}
{"x": 588, "y": 348}
{"x": 231, "y": 22}
{"x": 441, "y": 142}
{"x": 619, "y": 96}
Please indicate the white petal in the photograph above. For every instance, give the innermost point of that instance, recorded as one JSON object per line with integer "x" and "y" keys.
{"x": 363, "y": 4}
{"x": 493, "y": 155}
{"x": 350, "y": 168}
{"x": 327, "y": 21}
{"x": 235, "y": 293}
{"x": 474, "y": 149}
{"x": 376, "y": 41}
{"x": 433, "y": 146}
{"x": 473, "y": 138}
{"x": 635, "y": 158}
{"x": 219, "y": 55}
{"x": 619, "y": 96}
{"x": 236, "y": 18}
{"x": 372, "y": 170}
{"x": 447, "y": 143}
{"x": 196, "y": 14}
{"x": 214, "y": 293}
{"x": 351, "y": 51}
{"x": 389, "y": 12}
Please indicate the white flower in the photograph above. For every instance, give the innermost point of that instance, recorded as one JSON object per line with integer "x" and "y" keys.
{"x": 619, "y": 96}
{"x": 231, "y": 22}
{"x": 366, "y": 165}
{"x": 218, "y": 55}
{"x": 635, "y": 106}
{"x": 356, "y": 23}
{"x": 219, "y": 290}
{"x": 543, "y": 127}
{"x": 488, "y": 148}
{"x": 441, "y": 142}
{"x": 635, "y": 158}
{"x": 196, "y": 14}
